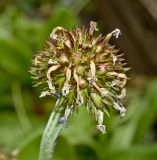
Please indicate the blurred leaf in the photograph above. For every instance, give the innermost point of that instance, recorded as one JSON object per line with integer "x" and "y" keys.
{"x": 149, "y": 111}
{"x": 85, "y": 152}
{"x": 30, "y": 150}
{"x": 136, "y": 152}
{"x": 61, "y": 16}
{"x": 9, "y": 129}
{"x": 13, "y": 58}
{"x": 80, "y": 128}
{"x": 64, "y": 150}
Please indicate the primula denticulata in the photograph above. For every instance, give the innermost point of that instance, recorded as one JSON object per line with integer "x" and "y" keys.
{"x": 81, "y": 69}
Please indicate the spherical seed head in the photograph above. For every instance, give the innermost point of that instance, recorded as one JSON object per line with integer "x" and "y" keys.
{"x": 84, "y": 69}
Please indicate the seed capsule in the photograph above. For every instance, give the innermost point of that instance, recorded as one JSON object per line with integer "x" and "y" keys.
{"x": 82, "y": 83}
{"x": 64, "y": 59}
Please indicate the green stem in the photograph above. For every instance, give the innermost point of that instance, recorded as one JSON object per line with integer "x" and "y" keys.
{"x": 50, "y": 135}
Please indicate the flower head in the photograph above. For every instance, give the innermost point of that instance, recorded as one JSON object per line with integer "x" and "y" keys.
{"x": 82, "y": 69}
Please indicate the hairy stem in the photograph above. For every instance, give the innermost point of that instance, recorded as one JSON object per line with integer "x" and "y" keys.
{"x": 50, "y": 135}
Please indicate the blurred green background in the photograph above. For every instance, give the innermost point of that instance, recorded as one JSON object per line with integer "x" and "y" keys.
{"x": 24, "y": 27}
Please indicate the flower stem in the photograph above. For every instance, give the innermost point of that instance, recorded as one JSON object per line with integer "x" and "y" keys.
{"x": 50, "y": 135}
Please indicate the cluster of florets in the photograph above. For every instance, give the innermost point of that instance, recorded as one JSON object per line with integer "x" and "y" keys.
{"x": 82, "y": 69}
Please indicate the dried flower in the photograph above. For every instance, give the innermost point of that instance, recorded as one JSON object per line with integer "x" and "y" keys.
{"x": 80, "y": 68}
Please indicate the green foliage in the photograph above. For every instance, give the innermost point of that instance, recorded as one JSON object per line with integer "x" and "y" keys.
{"x": 131, "y": 138}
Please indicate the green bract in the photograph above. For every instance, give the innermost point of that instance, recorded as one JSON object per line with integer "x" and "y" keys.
{"x": 80, "y": 68}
